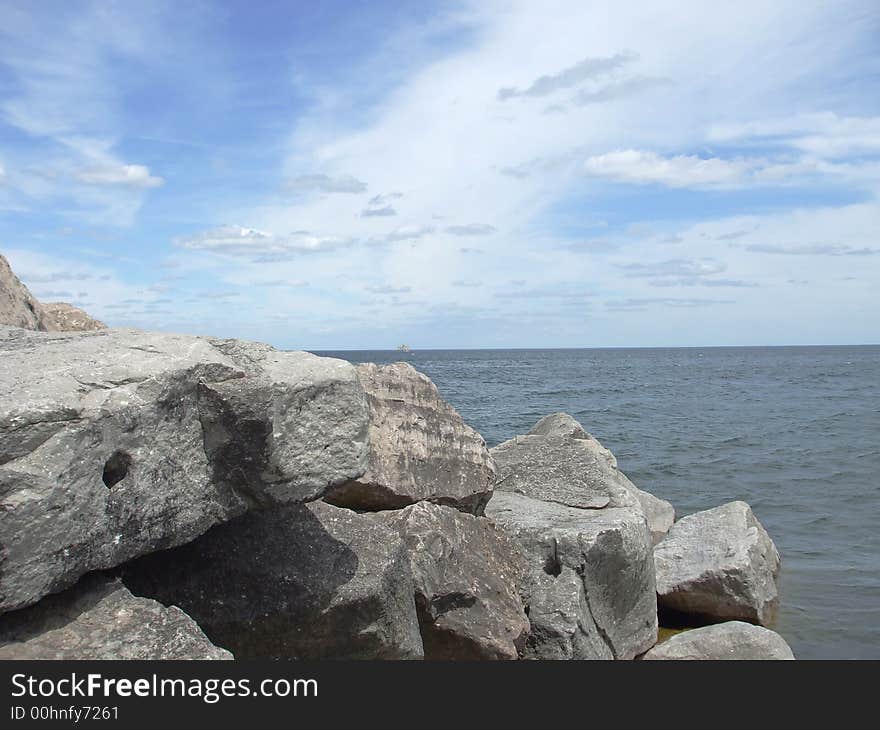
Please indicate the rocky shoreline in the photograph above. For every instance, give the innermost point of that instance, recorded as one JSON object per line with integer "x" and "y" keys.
{"x": 170, "y": 496}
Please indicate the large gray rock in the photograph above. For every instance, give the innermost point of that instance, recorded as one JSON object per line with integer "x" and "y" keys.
{"x": 559, "y": 461}
{"x": 319, "y": 581}
{"x": 99, "y": 619}
{"x": 63, "y": 317}
{"x": 716, "y": 565}
{"x": 302, "y": 582}
{"x": 589, "y": 586}
{"x": 420, "y": 448}
{"x": 18, "y": 307}
{"x": 466, "y": 576}
{"x": 730, "y": 640}
{"x": 117, "y": 443}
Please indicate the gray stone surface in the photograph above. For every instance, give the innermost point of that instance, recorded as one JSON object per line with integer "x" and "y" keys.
{"x": 590, "y": 581}
{"x": 559, "y": 461}
{"x": 99, "y": 619}
{"x": 466, "y": 576}
{"x": 302, "y": 582}
{"x": 63, "y": 317}
{"x": 119, "y": 442}
{"x": 319, "y": 581}
{"x": 730, "y": 640}
{"x": 18, "y": 307}
{"x": 420, "y": 448}
{"x": 718, "y": 564}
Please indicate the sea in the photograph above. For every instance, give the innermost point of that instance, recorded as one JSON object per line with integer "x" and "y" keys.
{"x": 793, "y": 431}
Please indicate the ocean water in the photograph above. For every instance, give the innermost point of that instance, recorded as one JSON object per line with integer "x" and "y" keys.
{"x": 794, "y": 431}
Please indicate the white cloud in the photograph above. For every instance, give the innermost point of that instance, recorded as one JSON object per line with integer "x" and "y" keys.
{"x": 259, "y": 245}
{"x": 134, "y": 176}
{"x": 327, "y": 184}
{"x": 584, "y": 70}
{"x": 825, "y": 134}
{"x": 680, "y": 171}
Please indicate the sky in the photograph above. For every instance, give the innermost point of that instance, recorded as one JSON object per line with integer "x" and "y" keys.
{"x": 357, "y": 175}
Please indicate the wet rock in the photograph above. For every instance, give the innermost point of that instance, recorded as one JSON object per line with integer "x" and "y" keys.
{"x": 729, "y": 640}
{"x": 119, "y": 442}
{"x": 99, "y": 619}
{"x": 420, "y": 448}
{"x": 717, "y": 565}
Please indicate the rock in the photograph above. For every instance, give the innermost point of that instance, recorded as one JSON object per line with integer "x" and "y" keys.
{"x": 301, "y": 582}
{"x": 730, "y": 640}
{"x": 560, "y": 462}
{"x": 117, "y": 443}
{"x": 63, "y": 317}
{"x": 18, "y": 307}
{"x": 718, "y": 565}
{"x": 420, "y": 448}
{"x": 466, "y": 575}
{"x": 559, "y": 424}
{"x": 319, "y": 581}
{"x": 589, "y": 587}
{"x": 99, "y": 619}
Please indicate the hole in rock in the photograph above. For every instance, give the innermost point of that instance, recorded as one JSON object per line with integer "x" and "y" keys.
{"x": 116, "y": 468}
{"x": 552, "y": 566}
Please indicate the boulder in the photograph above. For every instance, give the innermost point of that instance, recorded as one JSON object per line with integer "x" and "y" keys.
{"x": 319, "y": 581}
{"x": 63, "y": 317}
{"x": 117, "y": 443}
{"x": 466, "y": 577}
{"x": 18, "y": 307}
{"x": 718, "y": 565}
{"x": 559, "y": 461}
{"x": 589, "y": 585}
{"x": 730, "y": 640}
{"x": 99, "y": 619}
{"x": 420, "y": 448}
{"x": 299, "y": 582}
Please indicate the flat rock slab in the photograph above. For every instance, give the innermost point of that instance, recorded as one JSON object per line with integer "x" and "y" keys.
{"x": 590, "y": 581}
{"x": 117, "y": 443}
{"x": 420, "y": 448}
{"x": 558, "y": 461}
{"x": 718, "y": 565}
{"x": 729, "y": 640}
{"x": 99, "y": 619}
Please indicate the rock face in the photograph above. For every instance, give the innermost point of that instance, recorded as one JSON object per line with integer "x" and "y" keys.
{"x": 420, "y": 448}
{"x": 303, "y": 582}
{"x": 318, "y": 581}
{"x": 719, "y": 564}
{"x": 730, "y": 640}
{"x": 579, "y": 521}
{"x": 100, "y": 619}
{"x": 590, "y": 584}
{"x": 117, "y": 443}
{"x": 560, "y": 462}
{"x": 466, "y": 575}
{"x": 18, "y": 307}
{"x": 63, "y": 317}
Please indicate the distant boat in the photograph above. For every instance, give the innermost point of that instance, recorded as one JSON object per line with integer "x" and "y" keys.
{"x": 404, "y": 348}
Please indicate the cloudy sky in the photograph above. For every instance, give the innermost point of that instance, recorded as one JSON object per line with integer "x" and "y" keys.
{"x": 455, "y": 174}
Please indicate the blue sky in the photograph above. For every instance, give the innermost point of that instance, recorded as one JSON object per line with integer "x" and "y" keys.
{"x": 470, "y": 174}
